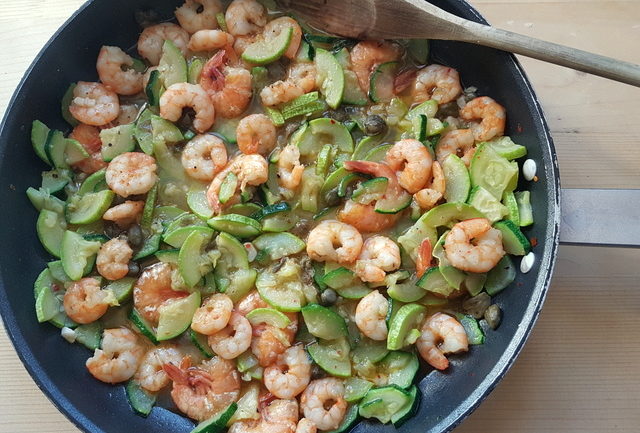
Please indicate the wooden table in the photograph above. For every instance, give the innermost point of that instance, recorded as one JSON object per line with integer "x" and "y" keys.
{"x": 580, "y": 370}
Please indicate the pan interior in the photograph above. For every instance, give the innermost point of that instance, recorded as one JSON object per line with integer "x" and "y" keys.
{"x": 58, "y": 368}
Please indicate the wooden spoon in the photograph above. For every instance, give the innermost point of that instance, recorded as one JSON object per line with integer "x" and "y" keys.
{"x": 418, "y": 19}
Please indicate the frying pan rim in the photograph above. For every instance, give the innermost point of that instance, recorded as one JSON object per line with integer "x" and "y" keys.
{"x": 448, "y": 423}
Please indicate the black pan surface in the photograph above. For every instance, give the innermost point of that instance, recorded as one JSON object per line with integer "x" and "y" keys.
{"x": 58, "y": 368}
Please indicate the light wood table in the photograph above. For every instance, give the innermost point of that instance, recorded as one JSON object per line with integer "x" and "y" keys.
{"x": 580, "y": 371}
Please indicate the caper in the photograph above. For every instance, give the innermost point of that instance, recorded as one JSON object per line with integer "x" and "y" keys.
{"x": 134, "y": 269}
{"x": 339, "y": 115}
{"x": 374, "y": 125}
{"x": 332, "y": 198}
{"x": 477, "y": 305}
{"x": 135, "y": 236}
{"x": 111, "y": 229}
{"x": 328, "y": 297}
{"x": 493, "y": 315}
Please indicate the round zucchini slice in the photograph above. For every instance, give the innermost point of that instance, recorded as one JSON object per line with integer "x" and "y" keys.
{"x": 269, "y": 50}
{"x": 176, "y": 317}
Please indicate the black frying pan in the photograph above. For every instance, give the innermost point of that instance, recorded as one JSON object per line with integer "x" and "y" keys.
{"x": 58, "y": 368}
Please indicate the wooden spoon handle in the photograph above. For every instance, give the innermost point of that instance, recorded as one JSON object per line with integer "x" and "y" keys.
{"x": 596, "y": 64}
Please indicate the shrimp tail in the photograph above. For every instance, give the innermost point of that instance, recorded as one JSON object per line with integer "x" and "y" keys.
{"x": 425, "y": 260}
{"x": 213, "y": 70}
{"x": 367, "y": 167}
{"x": 176, "y": 374}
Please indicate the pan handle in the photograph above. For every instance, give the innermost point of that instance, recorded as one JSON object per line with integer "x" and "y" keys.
{"x": 600, "y": 217}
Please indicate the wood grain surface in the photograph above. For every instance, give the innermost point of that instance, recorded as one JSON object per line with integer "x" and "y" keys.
{"x": 580, "y": 371}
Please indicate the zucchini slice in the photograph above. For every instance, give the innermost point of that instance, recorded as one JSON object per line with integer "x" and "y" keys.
{"x": 407, "y": 318}
{"x": 383, "y": 403}
{"x": 329, "y": 77}
{"x": 498, "y": 278}
{"x": 381, "y": 82}
{"x": 332, "y": 356}
{"x": 457, "y": 179}
{"x": 117, "y": 140}
{"x": 140, "y": 400}
{"x": 323, "y": 322}
{"x": 51, "y": 227}
{"x": 268, "y": 51}
{"x": 237, "y": 225}
{"x": 513, "y": 240}
{"x": 217, "y": 423}
{"x": 176, "y": 317}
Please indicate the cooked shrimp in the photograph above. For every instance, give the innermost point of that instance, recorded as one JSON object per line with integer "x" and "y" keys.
{"x": 306, "y": 426}
{"x": 412, "y": 162}
{"x": 84, "y": 301}
{"x": 371, "y": 316}
{"x": 124, "y": 214}
{"x": 269, "y": 342}
{"x": 110, "y": 66}
{"x": 279, "y": 416}
{"x": 89, "y": 137}
{"x": 204, "y": 156}
{"x": 434, "y": 190}
{"x": 196, "y": 15}
{"x": 290, "y": 375}
{"x": 474, "y": 246}
{"x": 250, "y": 302}
{"x": 181, "y": 95}
{"x": 437, "y": 82}
{"x": 376, "y": 169}
{"x": 367, "y": 55}
{"x": 301, "y": 79}
{"x": 250, "y": 170}
{"x": 441, "y": 334}
{"x": 131, "y": 173}
{"x": 491, "y": 114}
{"x": 113, "y": 259}
{"x": 245, "y": 17}
{"x": 213, "y": 315}
{"x": 94, "y": 104}
{"x": 118, "y": 358}
{"x": 229, "y": 88}
{"x": 231, "y": 341}
{"x": 459, "y": 142}
{"x": 256, "y": 133}
{"x": 365, "y": 218}
{"x": 153, "y": 290}
{"x": 277, "y": 26}
{"x": 150, "y": 374}
{"x": 323, "y": 403}
{"x": 234, "y": 98}
{"x": 379, "y": 255}
{"x": 334, "y": 241}
{"x": 208, "y": 40}
{"x": 201, "y": 392}
{"x": 289, "y": 168}
{"x": 152, "y": 38}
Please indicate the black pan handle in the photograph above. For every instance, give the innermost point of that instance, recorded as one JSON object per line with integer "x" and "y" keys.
{"x": 600, "y": 217}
